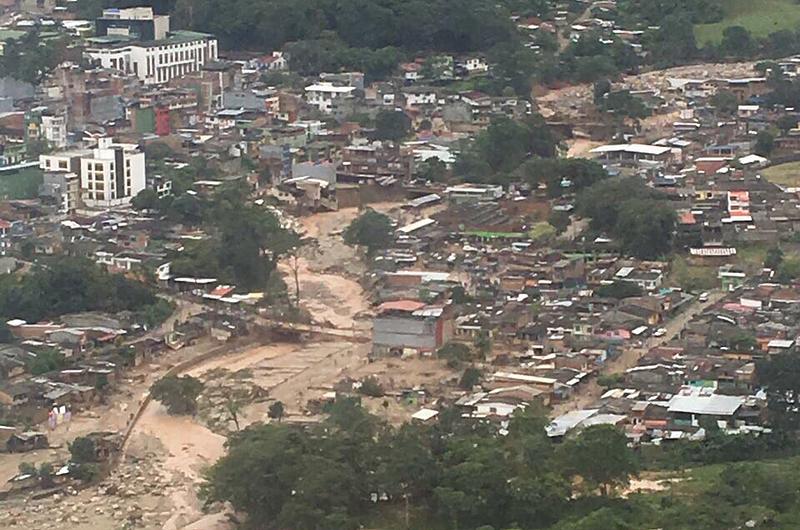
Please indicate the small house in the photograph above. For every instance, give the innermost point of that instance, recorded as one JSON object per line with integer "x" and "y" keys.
{"x": 26, "y": 441}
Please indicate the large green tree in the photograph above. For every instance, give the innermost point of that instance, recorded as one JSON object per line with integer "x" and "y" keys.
{"x": 645, "y": 228}
{"x": 780, "y": 375}
{"x": 70, "y": 285}
{"x": 392, "y": 125}
{"x": 372, "y": 230}
{"x": 601, "y": 457}
{"x": 503, "y": 146}
{"x": 178, "y": 393}
{"x": 244, "y": 244}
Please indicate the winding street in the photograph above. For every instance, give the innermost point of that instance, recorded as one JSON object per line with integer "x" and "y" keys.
{"x": 591, "y": 391}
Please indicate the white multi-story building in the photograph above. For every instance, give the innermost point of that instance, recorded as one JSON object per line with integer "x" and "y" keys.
{"x": 325, "y": 96}
{"x": 125, "y": 46}
{"x": 110, "y": 175}
{"x": 54, "y": 130}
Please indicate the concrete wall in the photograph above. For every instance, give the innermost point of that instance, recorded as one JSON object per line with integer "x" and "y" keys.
{"x": 401, "y": 332}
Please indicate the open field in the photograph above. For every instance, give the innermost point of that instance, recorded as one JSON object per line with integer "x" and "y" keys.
{"x": 22, "y": 184}
{"x": 787, "y": 174}
{"x": 761, "y": 17}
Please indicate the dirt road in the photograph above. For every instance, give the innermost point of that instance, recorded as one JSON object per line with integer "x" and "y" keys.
{"x": 163, "y": 462}
{"x": 291, "y": 373}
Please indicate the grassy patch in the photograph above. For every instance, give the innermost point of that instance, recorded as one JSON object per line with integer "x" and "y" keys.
{"x": 783, "y": 174}
{"x": 692, "y": 277}
{"x": 22, "y": 184}
{"x": 751, "y": 257}
{"x": 761, "y": 17}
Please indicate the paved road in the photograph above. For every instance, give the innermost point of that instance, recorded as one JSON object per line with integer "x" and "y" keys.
{"x": 591, "y": 391}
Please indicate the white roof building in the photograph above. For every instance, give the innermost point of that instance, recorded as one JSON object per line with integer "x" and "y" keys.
{"x": 702, "y": 402}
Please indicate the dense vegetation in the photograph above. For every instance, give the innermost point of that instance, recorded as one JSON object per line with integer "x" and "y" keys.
{"x": 70, "y": 285}
{"x": 244, "y": 240}
{"x": 372, "y": 230}
{"x": 502, "y": 147}
{"x": 635, "y": 215}
{"x": 324, "y": 476}
{"x": 652, "y": 13}
{"x": 354, "y": 470}
{"x": 178, "y": 394}
{"x": 446, "y": 25}
{"x": 30, "y": 57}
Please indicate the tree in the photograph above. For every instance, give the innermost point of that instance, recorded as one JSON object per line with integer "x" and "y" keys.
{"x": 538, "y": 499}
{"x": 483, "y": 343}
{"x": 591, "y": 68}
{"x": 455, "y": 353}
{"x": 433, "y": 170}
{"x": 765, "y": 143}
{"x": 601, "y": 201}
{"x": 371, "y": 387}
{"x": 45, "y": 474}
{"x": 725, "y": 102}
{"x": 780, "y": 375}
{"x": 294, "y": 266}
{"x": 611, "y": 380}
{"x": 623, "y": 103}
{"x": 101, "y": 382}
{"x": 471, "y": 377}
{"x": 600, "y": 88}
{"x": 601, "y": 457}
{"x": 742, "y": 341}
{"x": 619, "y": 290}
{"x": 786, "y": 123}
{"x": 30, "y": 58}
{"x": 737, "y": 42}
{"x": 409, "y": 469}
{"x": 233, "y": 406}
{"x": 502, "y": 147}
{"x": 542, "y": 232}
{"x": 44, "y": 361}
{"x": 246, "y": 240}
{"x": 371, "y": 229}
{"x": 559, "y": 220}
{"x": 392, "y": 125}
{"x": 673, "y": 42}
{"x": 276, "y": 411}
{"x": 645, "y": 227}
{"x": 513, "y": 65}
{"x": 69, "y": 285}
{"x": 82, "y": 450}
{"x": 178, "y": 393}
{"x": 560, "y": 174}
{"x": 774, "y": 258}
{"x": 147, "y": 199}
{"x": 36, "y": 147}
{"x": 788, "y": 270}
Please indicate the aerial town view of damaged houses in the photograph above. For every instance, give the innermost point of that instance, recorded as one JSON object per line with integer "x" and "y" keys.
{"x": 399, "y": 264}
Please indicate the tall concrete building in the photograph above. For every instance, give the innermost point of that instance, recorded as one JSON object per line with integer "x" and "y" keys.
{"x": 137, "y": 41}
{"x": 109, "y": 175}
